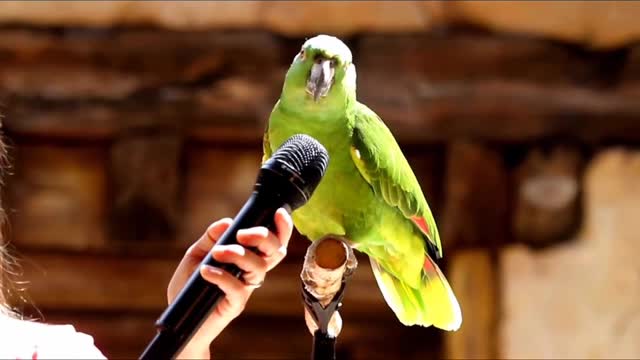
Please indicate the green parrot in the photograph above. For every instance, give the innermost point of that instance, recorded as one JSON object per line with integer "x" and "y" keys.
{"x": 369, "y": 194}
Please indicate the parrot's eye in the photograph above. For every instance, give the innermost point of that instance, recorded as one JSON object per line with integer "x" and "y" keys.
{"x": 301, "y": 54}
{"x": 318, "y": 59}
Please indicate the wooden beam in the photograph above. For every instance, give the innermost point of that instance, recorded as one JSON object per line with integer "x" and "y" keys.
{"x": 210, "y": 115}
{"x": 500, "y": 111}
{"x": 116, "y": 64}
{"x": 417, "y": 113}
{"x": 124, "y": 335}
{"x": 474, "y": 278}
{"x": 114, "y": 283}
{"x": 93, "y": 85}
{"x": 470, "y": 56}
{"x": 85, "y": 84}
{"x": 496, "y": 87}
{"x": 477, "y": 198}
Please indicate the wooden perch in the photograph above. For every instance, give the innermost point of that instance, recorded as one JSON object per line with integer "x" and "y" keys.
{"x": 328, "y": 262}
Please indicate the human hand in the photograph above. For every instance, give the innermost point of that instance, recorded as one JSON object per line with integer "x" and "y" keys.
{"x": 272, "y": 249}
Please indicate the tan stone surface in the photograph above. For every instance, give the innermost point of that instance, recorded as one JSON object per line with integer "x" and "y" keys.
{"x": 580, "y": 299}
{"x": 169, "y": 14}
{"x": 344, "y": 17}
{"x": 594, "y": 23}
{"x": 287, "y": 17}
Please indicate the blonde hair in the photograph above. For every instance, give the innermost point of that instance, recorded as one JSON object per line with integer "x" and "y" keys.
{"x": 7, "y": 262}
{"x": 5, "y": 271}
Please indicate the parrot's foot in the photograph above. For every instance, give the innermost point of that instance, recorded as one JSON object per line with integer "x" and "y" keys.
{"x": 322, "y": 314}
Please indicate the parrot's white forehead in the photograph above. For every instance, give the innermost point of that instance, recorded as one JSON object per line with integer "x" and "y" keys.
{"x": 331, "y": 45}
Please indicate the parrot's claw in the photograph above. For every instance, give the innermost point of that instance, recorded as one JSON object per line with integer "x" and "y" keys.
{"x": 322, "y": 314}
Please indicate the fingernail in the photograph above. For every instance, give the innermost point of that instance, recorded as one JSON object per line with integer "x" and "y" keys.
{"x": 217, "y": 251}
{"x": 210, "y": 270}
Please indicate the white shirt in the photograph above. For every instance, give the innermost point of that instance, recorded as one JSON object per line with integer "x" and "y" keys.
{"x": 24, "y": 339}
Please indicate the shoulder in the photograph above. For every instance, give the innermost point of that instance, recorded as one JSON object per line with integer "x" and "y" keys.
{"x": 368, "y": 121}
{"x": 363, "y": 110}
{"x": 35, "y": 340}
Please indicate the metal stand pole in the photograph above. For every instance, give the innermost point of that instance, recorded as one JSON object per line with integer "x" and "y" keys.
{"x": 324, "y": 346}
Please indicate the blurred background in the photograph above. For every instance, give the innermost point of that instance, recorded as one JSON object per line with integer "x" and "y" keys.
{"x": 133, "y": 125}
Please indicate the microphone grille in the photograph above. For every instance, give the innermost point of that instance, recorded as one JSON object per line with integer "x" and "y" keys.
{"x": 306, "y": 157}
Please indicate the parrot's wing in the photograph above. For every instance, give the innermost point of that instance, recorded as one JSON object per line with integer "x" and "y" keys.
{"x": 380, "y": 161}
{"x": 266, "y": 146}
{"x": 382, "y": 164}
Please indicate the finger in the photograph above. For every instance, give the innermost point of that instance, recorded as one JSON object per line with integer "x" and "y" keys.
{"x": 203, "y": 245}
{"x": 215, "y": 230}
{"x": 234, "y": 289}
{"x": 259, "y": 237}
{"x": 243, "y": 258}
{"x": 284, "y": 226}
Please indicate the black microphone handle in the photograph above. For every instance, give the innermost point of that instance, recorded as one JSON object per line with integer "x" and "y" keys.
{"x": 198, "y": 297}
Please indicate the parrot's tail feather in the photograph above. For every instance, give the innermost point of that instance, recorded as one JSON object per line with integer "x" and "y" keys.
{"x": 432, "y": 304}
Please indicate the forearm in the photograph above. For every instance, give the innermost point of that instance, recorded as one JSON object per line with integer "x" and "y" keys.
{"x": 200, "y": 351}
{"x": 198, "y": 346}
{"x": 195, "y": 349}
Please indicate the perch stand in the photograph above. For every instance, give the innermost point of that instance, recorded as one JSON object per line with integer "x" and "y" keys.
{"x": 328, "y": 264}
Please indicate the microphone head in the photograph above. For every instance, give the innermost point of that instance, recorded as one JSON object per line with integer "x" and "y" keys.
{"x": 303, "y": 159}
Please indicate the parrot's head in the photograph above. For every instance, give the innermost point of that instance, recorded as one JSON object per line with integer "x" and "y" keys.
{"x": 322, "y": 70}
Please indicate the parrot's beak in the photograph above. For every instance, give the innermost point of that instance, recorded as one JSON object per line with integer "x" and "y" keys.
{"x": 320, "y": 79}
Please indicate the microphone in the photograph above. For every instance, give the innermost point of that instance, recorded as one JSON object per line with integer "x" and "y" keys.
{"x": 287, "y": 179}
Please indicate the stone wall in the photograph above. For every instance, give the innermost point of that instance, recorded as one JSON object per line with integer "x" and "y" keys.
{"x": 597, "y": 24}
{"x": 578, "y": 299}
